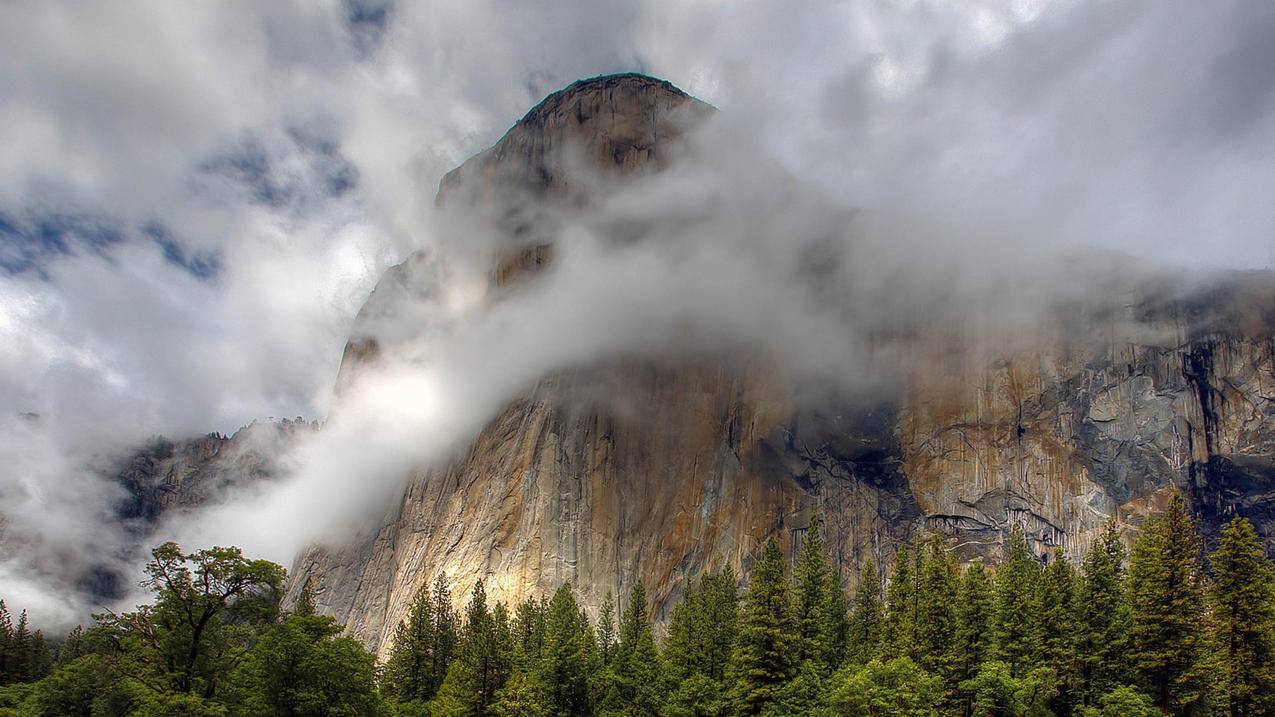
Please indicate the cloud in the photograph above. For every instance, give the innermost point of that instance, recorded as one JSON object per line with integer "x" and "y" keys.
{"x": 195, "y": 201}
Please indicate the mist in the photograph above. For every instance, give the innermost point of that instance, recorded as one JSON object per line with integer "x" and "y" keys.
{"x": 194, "y": 205}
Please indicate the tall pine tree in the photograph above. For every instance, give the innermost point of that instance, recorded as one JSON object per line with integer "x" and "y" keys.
{"x": 1167, "y": 599}
{"x": 863, "y": 644}
{"x": 1055, "y": 605}
{"x": 765, "y": 656}
{"x": 936, "y": 608}
{"x": 1015, "y": 625}
{"x": 972, "y": 639}
{"x": 424, "y": 645}
{"x": 482, "y": 664}
{"x": 1102, "y": 619}
{"x": 1244, "y": 618}
{"x": 637, "y": 688}
{"x": 819, "y": 609}
{"x": 563, "y": 667}
{"x": 898, "y": 636}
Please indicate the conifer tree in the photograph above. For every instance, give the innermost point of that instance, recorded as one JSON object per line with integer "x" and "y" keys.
{"x": 606, "y": 629}
{"x": 765, "y": 656}
{"x": 305, "y": 601}
{"x": 863, "y": 643}
{"x": 701, "y": 631}
{"x": 1243, "y": 602}
{"x": 900, "y": 609}
{"x": 1055, "y": 607}
{"x": 1167, "y": 600}
{"x": 972, "y": 640}
{"x": 424, "y": 645}
{"x": 818, "y": 612}
{"x": 562, "y": 670}
{"x": 1015, "y": 626}
{"x": 638, "y": 685}
{"x": 812, "y": 587}
{"x": 1102, "y": 617}
{"x": 718, "y": 625}
{"x": 7, "y": 653}
{"x": 936, "y": 610}
{"x": 482, "y": 662}
{"x": 682, "y": 643}
{"x": 529, "y": 630}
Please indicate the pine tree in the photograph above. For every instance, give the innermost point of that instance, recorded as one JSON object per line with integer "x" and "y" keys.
{"x": 424, "y": 645}
{"x": 818, "y": 614}
{"x": 1055, "y": 606}
{"x": 718, "y": 624}
{"x": 7, "y": 652}
{"x": 1167, "y": 599}
{"x": 1102, "y": 618}
{"x": 606, "y": 630}
{"x": 483, "y": 661}
{"x": 305, "y": 601}
{"x": 765, "y": 656}
{"x": 529, "y": 630}
{"x": 863, "y": 643}
{"x": 972, "y": 640}
{"x": 562, "y": 668}
{"x": 1243, "y": 602}
{"x": 1015, "y": 626}
{"x": 637, "y": 687}
{"x": 936, "y": 610}
{"x": 22, "y": 644}
{"x": 898, "y": 637}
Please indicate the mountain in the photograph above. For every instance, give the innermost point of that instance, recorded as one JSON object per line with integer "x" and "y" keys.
{"x": 638, "y": 467}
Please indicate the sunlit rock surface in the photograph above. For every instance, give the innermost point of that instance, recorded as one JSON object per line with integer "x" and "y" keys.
{"x": 660, "y": 470}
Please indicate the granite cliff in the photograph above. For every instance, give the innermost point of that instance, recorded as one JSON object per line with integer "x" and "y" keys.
{"x": 659, "y": 469}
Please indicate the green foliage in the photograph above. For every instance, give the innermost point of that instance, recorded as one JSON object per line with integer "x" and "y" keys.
{"x": 562, "y": 669}
{"x": 1102, "y": 619}
{"x": 483, "y": 662}
{"x": 636, "y": 685}
{"x": 1024, "y": 642}
{"x": 1055, "y": 607}
{"x": 898, "y": 688}
{"x": 1123, "y": 701}
{"x": 424, "y": 645}
{"x": 207, "y": 604}
{"x": 696, "y": 696}
{"x": 972, "y": 642}
{"x": 1167, "y": 600}
{"x": 898, "y": 635}
{"x": 936, "y": 612}
{"x": 24, "y": 656}
{"x": 996, "y": 692}
{"x": 765, "y": 656}
{"x": 819, "y": 610}
{"x": 867, "y": 619}
{"x": 1015, "y": 624}
{"x": 301, "y": 668}
{"x": 1243, "y": 600}
{"x": 521, "y": 696}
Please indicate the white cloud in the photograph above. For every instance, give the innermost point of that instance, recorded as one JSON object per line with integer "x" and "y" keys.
{"x": 980, "y": 135}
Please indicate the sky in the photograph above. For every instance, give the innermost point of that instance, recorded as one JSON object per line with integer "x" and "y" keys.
{"x": 196, "y": 199}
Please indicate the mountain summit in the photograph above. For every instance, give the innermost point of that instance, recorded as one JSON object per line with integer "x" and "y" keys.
{"x": 660, "y": 469}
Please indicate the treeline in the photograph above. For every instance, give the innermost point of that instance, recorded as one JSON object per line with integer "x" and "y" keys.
{"x": 1148, "y": 633}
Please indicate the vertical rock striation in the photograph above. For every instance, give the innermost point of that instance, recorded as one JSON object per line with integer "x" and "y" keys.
{"x": 661, "y": 469}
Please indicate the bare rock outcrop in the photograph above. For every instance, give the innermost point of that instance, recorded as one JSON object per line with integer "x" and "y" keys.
{"x": 686, "y": 464}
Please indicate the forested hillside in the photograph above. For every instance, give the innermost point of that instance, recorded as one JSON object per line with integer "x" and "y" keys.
{"x": 1164, "y": 629}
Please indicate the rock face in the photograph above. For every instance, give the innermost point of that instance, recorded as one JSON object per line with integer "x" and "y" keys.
{"x": 165, "y": 478}
{"x": 660, "y": 470}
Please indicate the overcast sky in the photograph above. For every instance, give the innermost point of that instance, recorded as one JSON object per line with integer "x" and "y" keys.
{"x": 196, "y": 198}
